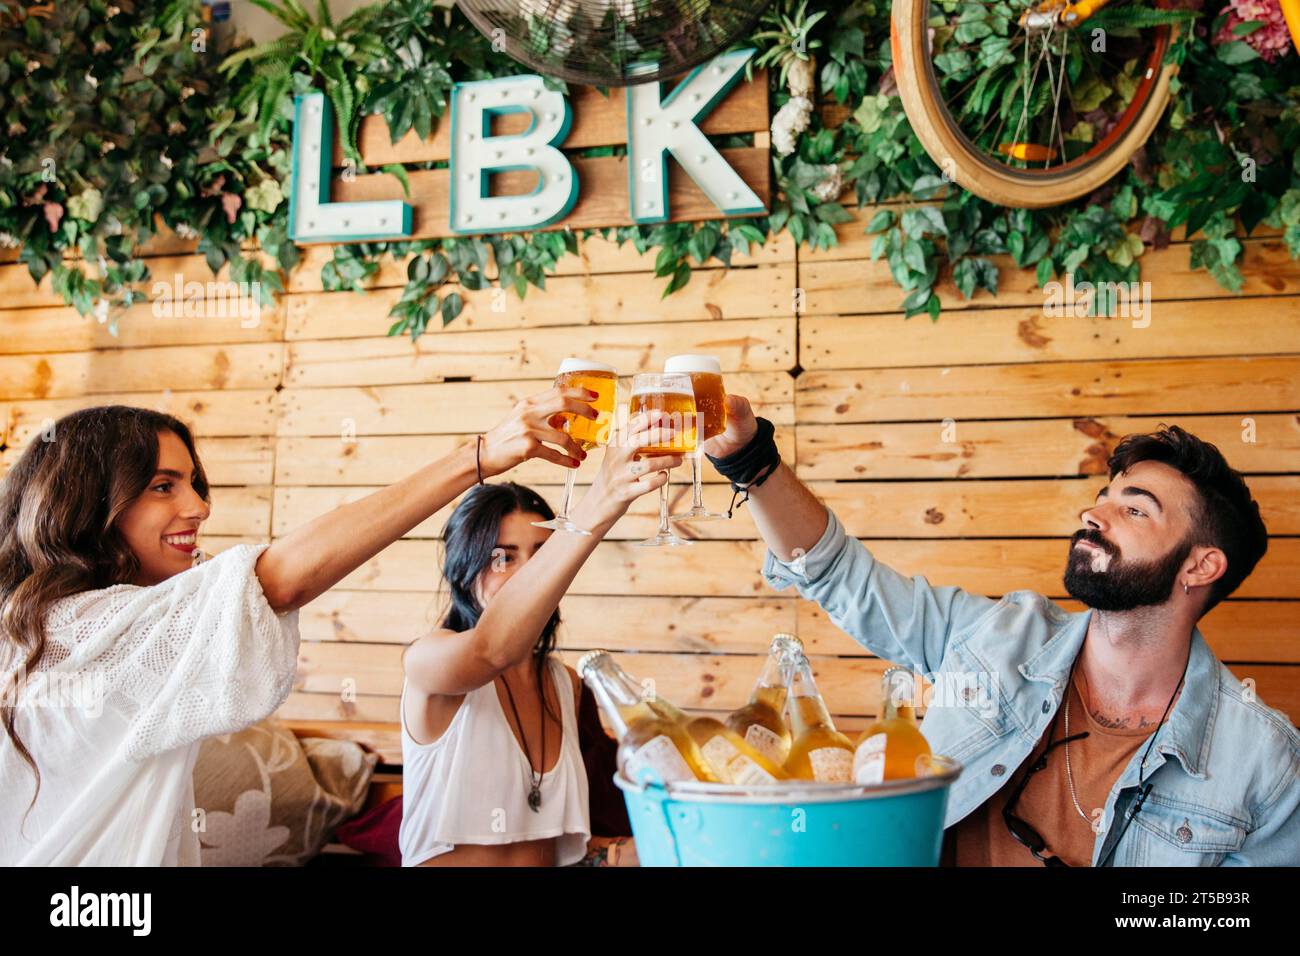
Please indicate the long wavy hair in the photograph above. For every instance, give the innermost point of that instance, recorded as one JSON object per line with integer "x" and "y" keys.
{"x": 469, "y": 540}
{"x": 59, "y": 535}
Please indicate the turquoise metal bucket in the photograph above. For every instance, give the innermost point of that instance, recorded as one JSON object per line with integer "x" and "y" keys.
{"x": 794, "y": 823}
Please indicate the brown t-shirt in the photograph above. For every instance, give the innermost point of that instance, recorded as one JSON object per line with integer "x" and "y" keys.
{"x": 1096, "y": 761}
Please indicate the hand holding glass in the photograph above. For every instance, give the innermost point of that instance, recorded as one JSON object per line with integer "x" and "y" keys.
{"x": 670, "y": 402}
{"x": 705, "y": 372}
{"x": 588, "y": 433}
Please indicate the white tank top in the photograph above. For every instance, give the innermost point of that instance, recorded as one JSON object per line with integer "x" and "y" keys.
{"x": 471, "y": 784}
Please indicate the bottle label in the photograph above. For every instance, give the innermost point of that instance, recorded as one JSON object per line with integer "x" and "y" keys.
{"x": 831, "y": 765}
{"x": 732, "y": 765}
{"x": 770, "y": 745}
{"x": 658, "y": 761}
{"x": 869, "y": 760}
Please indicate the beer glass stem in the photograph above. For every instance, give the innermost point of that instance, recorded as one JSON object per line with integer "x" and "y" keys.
{"x": 697, "y": 480}
{"x": 663, "y": 507}
{"x": 570, "y": 475}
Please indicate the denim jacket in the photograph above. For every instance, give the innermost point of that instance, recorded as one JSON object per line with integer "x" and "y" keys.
{"x": 1229, "y": 796}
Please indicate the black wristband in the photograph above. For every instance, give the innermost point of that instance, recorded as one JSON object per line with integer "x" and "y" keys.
{"x": 752, "y": 465}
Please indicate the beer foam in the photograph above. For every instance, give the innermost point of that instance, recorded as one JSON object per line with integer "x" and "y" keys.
{"x": 664, "y": 390}
{"x": 693, "y": 363}
{"x": 584, "y": 365}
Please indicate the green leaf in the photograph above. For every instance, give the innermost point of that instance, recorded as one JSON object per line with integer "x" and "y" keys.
{"x": 1236, "y": 52}
{"x": 398, "y": 170}
{"x": 914, "y": 256}
{"x": 881, "y": 221}
{"x": 451, "y": 307}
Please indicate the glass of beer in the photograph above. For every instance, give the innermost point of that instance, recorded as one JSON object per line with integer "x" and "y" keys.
{"x": 588, "y": 433}
{"x": 705, "y": 372}
{"x": 673, "y": 396}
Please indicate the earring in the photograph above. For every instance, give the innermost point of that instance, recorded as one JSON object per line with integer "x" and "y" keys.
{"x": 1185, "y": 591}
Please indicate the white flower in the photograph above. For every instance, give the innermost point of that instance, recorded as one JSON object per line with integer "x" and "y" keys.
{"x": 113, "y": 226}
{"x": 101, "y": 311}
{"x": 165, "y": 160}
{"x": 186, "y": 93}
{"x": 789, "y": 121}
{"x": 6, "y": 162}
{"x": 800, "y": 77}
{"x": 8, "y": 241}
{"x": 91, "y": 81}
{"x": 112, "y": 12}
{"x": 33, "y": 66}
{"x": 186, "y": 231}
{"x": 829, "y": 186}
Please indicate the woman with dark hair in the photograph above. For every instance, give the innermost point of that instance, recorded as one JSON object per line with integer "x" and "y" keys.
{"x": 118, "y": 653}
{"x": 492, "y": 770}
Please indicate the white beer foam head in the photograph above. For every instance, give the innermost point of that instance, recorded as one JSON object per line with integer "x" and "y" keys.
{"x": 572, "y": 364}
{"x": 662, "y": 389}
{"x": 694, "y": 363}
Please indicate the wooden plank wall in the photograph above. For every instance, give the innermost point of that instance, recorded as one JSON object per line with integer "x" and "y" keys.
{"x": 860, "y": 397}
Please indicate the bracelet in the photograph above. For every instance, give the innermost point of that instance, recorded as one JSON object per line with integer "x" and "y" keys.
{"x": 751, "y": 466}
{"x": 478, "y": 458}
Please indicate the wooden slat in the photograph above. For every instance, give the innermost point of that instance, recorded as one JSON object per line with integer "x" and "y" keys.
{"x": 596, "y": 255}
{"x": 467, "y": 407}
{"x": 1185, "y": 386}
{"x": 194, "y": 367}
{"x": 731, "y": 568}
{"x": 1018, "y": 334}
{"x": 760, "y": 292}
{"x": 384, "y": 460}
{"x": 1049, "y": 447}
{"x": 743, "y": 345}
{"x": 602, "y": 197}
{"x": 599, "y": 119}
{"x": 681, "y": 624}
{"x": 863, "y": 285}
{"x": 64, "y": 330}
{"x": 1001, "y": 508}
{"x": 238, "y": 461}
{"x": 228, "y": 413}
{"x": 240, "y": 512}
{"x": 1237, "y": 630}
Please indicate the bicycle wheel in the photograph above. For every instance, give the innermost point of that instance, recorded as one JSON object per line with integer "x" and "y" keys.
{"x": 1021, "y": 109}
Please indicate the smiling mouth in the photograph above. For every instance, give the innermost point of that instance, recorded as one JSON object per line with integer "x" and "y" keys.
{"x": 184, "y": 543}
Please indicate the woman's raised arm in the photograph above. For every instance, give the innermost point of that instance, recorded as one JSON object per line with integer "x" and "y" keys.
{"x": 456, "y": 662}
{"x": 310, "y": 560}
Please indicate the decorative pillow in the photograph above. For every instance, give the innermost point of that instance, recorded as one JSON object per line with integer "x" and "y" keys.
{"x": 375, "y": 833}
{"x": 268, "y": 799}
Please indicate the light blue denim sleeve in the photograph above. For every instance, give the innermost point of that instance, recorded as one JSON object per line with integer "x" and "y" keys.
{"x": 902, "y": 619}
{"x": 1276, "y": 841}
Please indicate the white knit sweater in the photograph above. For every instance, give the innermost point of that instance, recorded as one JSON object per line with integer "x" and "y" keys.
{"x": 132, "y": 679}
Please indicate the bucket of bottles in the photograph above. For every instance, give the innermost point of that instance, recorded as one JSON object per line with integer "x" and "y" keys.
{"x": 792, "y": 823}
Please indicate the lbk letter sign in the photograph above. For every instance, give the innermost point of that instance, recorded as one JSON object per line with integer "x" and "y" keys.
{"x": 508, "y": 144}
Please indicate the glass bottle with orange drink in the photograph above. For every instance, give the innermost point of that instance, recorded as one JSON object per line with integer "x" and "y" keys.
{"x": 761, "y": 722}
{"x": 888, "y": 749}
{"x": 819, "y": 751}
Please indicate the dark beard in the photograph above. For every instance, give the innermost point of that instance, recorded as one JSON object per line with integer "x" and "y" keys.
{"x": 1124, "y": 585}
